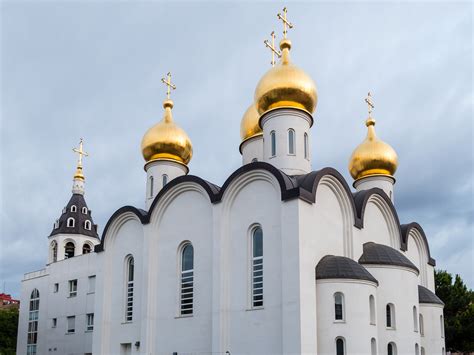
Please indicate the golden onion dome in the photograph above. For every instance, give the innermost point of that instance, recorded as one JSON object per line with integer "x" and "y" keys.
{"x": 166, "y": 140}
{"x": 286, "y": 85}
{"x": 373, "y": 156}
{"x": 249, "y": 126}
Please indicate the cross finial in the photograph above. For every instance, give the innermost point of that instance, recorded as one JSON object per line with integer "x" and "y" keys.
{"x": 169, "y": 85}
{"x": 370, "y": 104}
{"x": 80, "y": 151}
{"x": 285, "y": 21}
{"x": 272, "y": 48}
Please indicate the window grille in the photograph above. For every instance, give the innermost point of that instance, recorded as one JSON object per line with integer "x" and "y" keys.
{"x": 257, "y": 268}
{"x": 33, "y": 316}
{"x": 338, "y": 306}
{"x": 187, "y": 280}
{"x": 129, "y": 287}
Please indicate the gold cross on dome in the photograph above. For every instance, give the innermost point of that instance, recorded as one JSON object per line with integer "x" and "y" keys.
{"x": 272, "y": 48}
{"x": 80, "y": 152}
{"x": 285, "y": 22}
{"x": 370, "y": 104}
{"x": 169, "y": 85}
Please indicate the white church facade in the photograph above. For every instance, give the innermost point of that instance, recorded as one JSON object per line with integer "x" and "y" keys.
{"x": 280, "y": 259}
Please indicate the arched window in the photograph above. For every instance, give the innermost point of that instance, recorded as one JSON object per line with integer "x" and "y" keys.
{"x": 373, "y": 346}
{"x": 54, "y": 251}
{"x": 306, "y": 146}
{"x": 84, "y": 210}
{"x": 70, "y": 222}
{"x": 372, "y": 309}
{"x": 73, "y": 208}
{"x": 415, "y": 319}
{"x": 340, "y": 346}
{"x": 273, "y": 143}
{"x": 390, "y": 313}
{"x": 254, "y": 160}
{"x": 86, "y": 248}
{"x": 150, "y": 188}
{"x": 129, "y": 284}
{"x": 164, "y": 179}
{"x": 422, "y": 326}
{"x": 391, "y": 349}
{"x": 69, "y": 249}
{"x": 443, "y": 352}
{"x": 187, "y": 279}
{"x": 257, "y": 267}
{"x": 32, "y": 339}
{"x": 339, "y": 306}
{"x": 417, "y": 349}
{"x": 441, "y": 324}
{"x": 88, "y": 225}
{"x": 291, "y": 141}
{"x": 423, "y": 351}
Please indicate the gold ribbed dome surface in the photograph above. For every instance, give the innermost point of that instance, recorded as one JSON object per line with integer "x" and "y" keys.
{"x": 373, "y": 156}
{"x": 285, "y": 85}
{"x": 249, "y": 126}
{"x": 166, "y": 140}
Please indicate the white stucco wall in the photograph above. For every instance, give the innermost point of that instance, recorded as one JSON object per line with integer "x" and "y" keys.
{"x": 433, "y": 341}
{"x": 252, "y": 149}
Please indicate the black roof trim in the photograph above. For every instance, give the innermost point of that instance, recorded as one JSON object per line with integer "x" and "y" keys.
{"x": 380, "y": 254}
{"x": 405, "y": 229}
{"x": 427, "y": 296}
{"x": 341, "y": 267}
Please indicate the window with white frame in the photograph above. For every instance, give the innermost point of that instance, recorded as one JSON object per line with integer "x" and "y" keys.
{"x": 69, "y": 250}
{"x": 89, "y": 322}
{"x": 306, "y": 146}
{"x": 273, "y": 143}
{"x": 187, "y": 280}
{"x": 56, "y": 224}
{"x": 84, "y": 210}
{"x": 291, "y": 141}
{"x": 390, "y": 315}
{"x": 257, "y": 268}
{"x": 340, "y": 346}
{"x": 70, "y": 222}
{"x": 91, "y": 284}
{"x": 129, "y": 285}
{"x": 422, "y": 326}
{"x": 164, "y": 179}
{"x": 88, "y": 225}
{"x": 54, "y": 251}
{"x": 339, "y": 306}
{"x": 71, "y": 324}
{"x": 73, "y": 208}
{"x": 415, "y": 319}
{"x": 72, "y": 288}
{"x": 33, "y": 314}
{"x": 372, "y": 309}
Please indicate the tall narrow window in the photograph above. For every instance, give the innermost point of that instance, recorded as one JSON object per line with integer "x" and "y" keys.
{"x": 443, "y": 352}
{"x": 372, "y": 309}
{"x": 70, "y": 222}
{"x": 129, "y": 277}
{"x": 340, "y": 346}
{"x": 165, "y": 179}
{"x": 391, "y": 349}
{"x": 33, "y": 314}
{"x": 86, "y": 248}
{"x": 88, "y": 225}
{"x": 338, "y": 306}
{"x": 54, "y": 251}
{"x": 72, "y": 288}
{"x": 415, "y": 319}
{"x": 390, "y": 314}
{"x": 306, "y": 146}
{"x": 291, "y": 141}
{"x": 441, "y": 324}
{"x": 73, "y": 208}
{"x": 84, "y": 210}
{"x": 417, "y": 349}
{"x": 257, "y": 267}
{"x": 423, "y": 351}
{"x": 91, "y": 288}
{"x": 150, "y": 188}
{"x": 422, "y": 326}
{"x": 187, "y": 280}
{"x": 373, "y": 346}
{"x": 273, "y": 143}
{"x": 89, "y": 322}
{"x": 71, "y": 324}
{"x": 69, "y": 249}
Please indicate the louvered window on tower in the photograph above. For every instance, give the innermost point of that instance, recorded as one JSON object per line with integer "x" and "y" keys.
{"x": 187, "y": 280}
{"x": 129, "y": 289}
{"x": 257, "y": 268}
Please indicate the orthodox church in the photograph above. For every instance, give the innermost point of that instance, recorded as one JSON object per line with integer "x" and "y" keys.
{"x": 280, "y": 259}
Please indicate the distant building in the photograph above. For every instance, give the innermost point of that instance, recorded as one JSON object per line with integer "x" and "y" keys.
{"x": 6, "y": 301}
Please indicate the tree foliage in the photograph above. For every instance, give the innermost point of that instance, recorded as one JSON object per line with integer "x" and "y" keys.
{"x": 8, "y": 330}
{"x": 458, "y": 311}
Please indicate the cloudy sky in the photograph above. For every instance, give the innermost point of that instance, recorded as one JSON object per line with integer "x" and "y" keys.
{"x": 92, "y": 69}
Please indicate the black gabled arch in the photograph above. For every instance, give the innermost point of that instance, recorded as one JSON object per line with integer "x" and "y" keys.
{"x": 361, "y": 198}
{"x": 405, "y": 229}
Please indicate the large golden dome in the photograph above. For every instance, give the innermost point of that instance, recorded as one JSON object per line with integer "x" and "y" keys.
{"x": 285, "y": 85}
{"x": 166, "y": 140}
{"x": 249, "y": 126}
{"x": 373, "y": 156}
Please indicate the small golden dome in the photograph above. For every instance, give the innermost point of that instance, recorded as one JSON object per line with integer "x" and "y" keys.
{"x": 166, "y": 140}
{"x": 373, "y": 156}
{"x": 285, "y": 85}
{"x": 249, "y": 126}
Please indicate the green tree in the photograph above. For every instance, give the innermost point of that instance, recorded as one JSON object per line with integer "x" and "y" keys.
{"x": 9, "y": 327}
{"x": 458, "y": 311}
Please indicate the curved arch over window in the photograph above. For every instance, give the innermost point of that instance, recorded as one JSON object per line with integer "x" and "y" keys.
{"x": 70, "y": 222}
{"x": 339, "y": 306}
{"x": 390, "y": 315}
{"x": 73, "y": 208}
{"x": 54, "y": 251}
{"x": 391, "y": 349}
{"x": 273, "y": 143}
{"x": 187, "y": 279}
{"x": 129, "y": 287}
{"x": 88, "y": 225}
{"x": 422, "y": 326}
{"x": 306, "y": 146}
{"x": 86, "y": 248}
{"x": 69, "y": 250}
{"x": 340, "y": 346}
{"x": 164, "y": 179}
{"x": 150, "y": 188}
{"x": 291, "y": 141}
{"x": 372, "y": 309}
{"x": 33, "y": 316}
{"x": 373, "y": 346}
{"x": 441, "y": 324}
{"x": 415, "y": 319}
{"x": 257, "y": 267}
